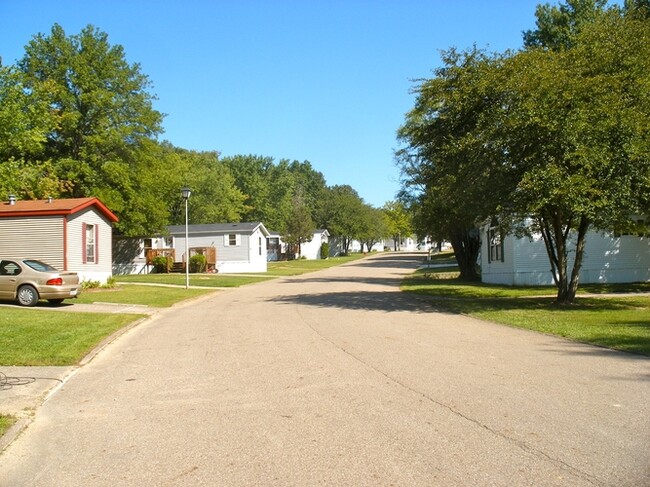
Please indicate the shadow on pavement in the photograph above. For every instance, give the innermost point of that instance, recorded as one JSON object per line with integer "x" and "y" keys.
{"x": 364, "y": 300}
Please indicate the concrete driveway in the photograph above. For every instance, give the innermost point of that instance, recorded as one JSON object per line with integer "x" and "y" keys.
{"x": 336, "y": 378}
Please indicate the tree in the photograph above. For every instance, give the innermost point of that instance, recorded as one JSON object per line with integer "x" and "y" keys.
{"x": 94, "y": 115}
{"x": 399, "y": 221}
{"x": 300, "y": 226}
{"x": 453, "y": 175}
{"x": 558, "y": 26}
{"x": 25, "y": 118}
{"x": 374, "y": 227}
{"x": 577, "y": 137}
{"x": 343, "y": 211}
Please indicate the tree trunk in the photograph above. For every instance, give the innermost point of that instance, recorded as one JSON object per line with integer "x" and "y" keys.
{"x": 467, "y": 244}
{"x": 556, "y": 233}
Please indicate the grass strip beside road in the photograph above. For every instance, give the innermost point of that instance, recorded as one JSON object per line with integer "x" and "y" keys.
{"x": 44, "y": 338}
{"x": 202, "y": 280}
{"x": 6, "y": 422}
{"x": 156, "y": 297}
{"x": 618, "y": 322}
{"x": 302, "y": 266}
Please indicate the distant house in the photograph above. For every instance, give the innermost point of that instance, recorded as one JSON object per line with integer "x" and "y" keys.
{"x": 240, "y": 247}
{"x": 507, "y": 259}
{"x": 277, "y": 249}
{"x": 71, "y": 234}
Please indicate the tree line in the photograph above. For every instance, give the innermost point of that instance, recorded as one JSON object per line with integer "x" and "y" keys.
{"x": 77, "y": 120}
{"x": 551, "y": 139}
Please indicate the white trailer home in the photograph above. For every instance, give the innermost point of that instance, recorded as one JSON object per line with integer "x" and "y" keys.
{"x": 524, "y": 262}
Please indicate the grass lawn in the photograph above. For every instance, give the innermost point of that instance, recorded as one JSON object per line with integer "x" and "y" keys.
{"x": 203, "y": 280}
{"x": 35, "y": 337}
{"x": 619, "y": 322}
{"x": 297, "y": 267}
{"x": 157, "y": 297}
{"x": 5, "y": 423}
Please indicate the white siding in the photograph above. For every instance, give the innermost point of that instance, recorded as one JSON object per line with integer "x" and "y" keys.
{"x": 92, "y": 271}
{"x": 311, "y": 250}
{"x": 38, "y": 238}
{"x": 607, "y": 259}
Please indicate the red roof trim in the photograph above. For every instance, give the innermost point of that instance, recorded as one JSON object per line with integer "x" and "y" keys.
{"x": 84, "y": 203}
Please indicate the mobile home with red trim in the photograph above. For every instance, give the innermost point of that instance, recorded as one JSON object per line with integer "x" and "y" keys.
{"x": 73, "y": 234}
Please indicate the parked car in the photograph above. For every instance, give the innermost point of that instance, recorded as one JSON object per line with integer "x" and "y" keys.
{"x": 28, "y": 280}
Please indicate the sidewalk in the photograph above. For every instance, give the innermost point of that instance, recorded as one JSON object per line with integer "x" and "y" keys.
{"x": 24, "y": 389}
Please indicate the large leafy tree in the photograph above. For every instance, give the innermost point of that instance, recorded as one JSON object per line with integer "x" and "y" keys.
{"x": 579, "y": 116}
{"x": 300, "y": 227}
{"x": 88, "y": 112}
{"x": 556, "y": 135}
{"x": 557, "y": 26}
{"x": 453, "y": 175}
{"x": 374, "y": 227}
{"x": 343, "y": 214}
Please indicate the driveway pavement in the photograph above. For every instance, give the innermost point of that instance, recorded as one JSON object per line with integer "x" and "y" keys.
{"x": 337, "y": 378}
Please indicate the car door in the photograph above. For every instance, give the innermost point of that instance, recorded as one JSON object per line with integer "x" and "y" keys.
{"x": 9, "y": 271}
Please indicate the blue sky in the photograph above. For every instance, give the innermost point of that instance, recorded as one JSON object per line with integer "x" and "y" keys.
{"x": 325, "y": 81}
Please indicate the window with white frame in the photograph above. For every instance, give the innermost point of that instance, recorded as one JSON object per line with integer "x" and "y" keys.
{"x": 232, "y": 240}
{"x": 495, "y": 242}
{"x": 90, "y": 243}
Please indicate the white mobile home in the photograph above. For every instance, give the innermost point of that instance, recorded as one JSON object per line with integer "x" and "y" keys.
{"x": 524, "y": 261}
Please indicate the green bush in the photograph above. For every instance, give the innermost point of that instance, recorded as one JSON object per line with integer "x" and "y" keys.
{"x": 88, "y": 284}
{"x": 162, "y": 264}
{"x": 324, "y": 250}
{"x": 198, "y": 263}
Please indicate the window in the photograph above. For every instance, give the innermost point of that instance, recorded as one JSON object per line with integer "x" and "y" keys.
{"x": 232, "y": 240}
{"x": 8, "y": 268}
{"x": 89, "y": 235}
{"x": 495, "y": 241}
{"x": 260, "y": 245}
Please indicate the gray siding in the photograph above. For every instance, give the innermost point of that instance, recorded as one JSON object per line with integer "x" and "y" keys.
{"x": 38, "y": 238}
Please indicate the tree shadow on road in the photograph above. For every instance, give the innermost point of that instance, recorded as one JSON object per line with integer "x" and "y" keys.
{"x": 364, "y": 300}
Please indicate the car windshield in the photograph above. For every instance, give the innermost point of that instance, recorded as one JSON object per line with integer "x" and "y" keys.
{"x": 39, "y": 266}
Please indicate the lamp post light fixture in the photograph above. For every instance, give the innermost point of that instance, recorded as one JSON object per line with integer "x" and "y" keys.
{"x": 185, "y": 193}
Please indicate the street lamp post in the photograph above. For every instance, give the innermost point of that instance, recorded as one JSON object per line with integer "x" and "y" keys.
{"x": 185, "y": 193}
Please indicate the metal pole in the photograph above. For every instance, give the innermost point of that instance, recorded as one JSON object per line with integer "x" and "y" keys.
{"x": 187, "y": 250}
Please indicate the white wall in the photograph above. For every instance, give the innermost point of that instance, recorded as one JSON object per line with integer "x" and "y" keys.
{"x": 607, "y": 259}
{"x": 92, "y": 271}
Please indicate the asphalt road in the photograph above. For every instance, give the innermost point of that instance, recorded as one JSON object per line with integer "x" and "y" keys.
{"x": 336, "y": 378}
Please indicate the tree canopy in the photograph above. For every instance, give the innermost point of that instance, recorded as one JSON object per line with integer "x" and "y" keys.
{"x": 555, "y": 135}
{"x": 78, "y": 120}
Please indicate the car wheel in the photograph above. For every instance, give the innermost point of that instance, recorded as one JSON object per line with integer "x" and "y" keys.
{"x": 27, "y": 296}
{"x": 55, "y": 302}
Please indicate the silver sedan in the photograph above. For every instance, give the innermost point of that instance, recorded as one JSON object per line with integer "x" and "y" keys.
{"x": 28, "y": 280}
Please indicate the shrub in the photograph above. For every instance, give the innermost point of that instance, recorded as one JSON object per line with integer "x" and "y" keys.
{"x": 88, "y": 284}
{"x": 198, "y": 263}
{"x": 110, "y": 282}
{"x": 324, "y": 250}
{"x": 162, "y": 264}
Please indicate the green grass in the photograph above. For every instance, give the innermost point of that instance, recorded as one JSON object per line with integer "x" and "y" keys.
{"x": 297, "y": 267}
{"x": 203, "y": 280}
{"x": 618, "y": 322}
{"x": 36, "y": 337}
{"x": 157, "y": 297}
{"x": 6, "y": 422}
